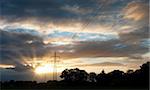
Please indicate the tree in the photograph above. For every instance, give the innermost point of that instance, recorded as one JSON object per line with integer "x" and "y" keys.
{"x": 92, "y": 77}
{"x": 65, "y": 75}
{"x": 102, "y": 78}
{"x": 142, "y": 75}
{"x": 74, "y": 75}
{"x": 116, "y": 77}
{"x": 130, "y": 71}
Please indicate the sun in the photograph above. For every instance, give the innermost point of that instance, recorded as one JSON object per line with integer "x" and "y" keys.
{"x": 43, "y": 69}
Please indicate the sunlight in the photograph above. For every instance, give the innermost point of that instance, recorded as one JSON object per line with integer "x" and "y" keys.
{"x": 61, "y": 43}
{"x": 47, "y": 68}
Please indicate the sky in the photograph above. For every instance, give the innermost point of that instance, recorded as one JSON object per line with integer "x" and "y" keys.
{"x": 87, "y": 34}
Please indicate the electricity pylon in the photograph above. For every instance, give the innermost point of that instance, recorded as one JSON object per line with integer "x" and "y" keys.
{"x": 55, "y": 66}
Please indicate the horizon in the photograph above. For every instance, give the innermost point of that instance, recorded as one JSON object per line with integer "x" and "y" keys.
{"x": 45, "y": 77}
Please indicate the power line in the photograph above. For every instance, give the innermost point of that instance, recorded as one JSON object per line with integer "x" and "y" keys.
{"x": 95, "y": 14}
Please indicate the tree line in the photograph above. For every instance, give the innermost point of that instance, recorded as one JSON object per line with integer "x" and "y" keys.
{"x": 137, "y": 78}
{"x": 76, "y": 78}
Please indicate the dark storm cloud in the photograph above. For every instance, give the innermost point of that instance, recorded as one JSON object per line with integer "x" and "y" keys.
{"x": 56, "y": 10}
{"x": 51, "y": 9}
{"x": 15, "y": 46}
{"x": 63, "y": 10}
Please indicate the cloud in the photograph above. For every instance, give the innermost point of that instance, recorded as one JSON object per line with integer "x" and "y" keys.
{"x": 20, "y": 48}
{"x": 21, "y": 68}
{"x": 45, "y": 28}
{"x": 136, "y": 11}
{"x": 104, "y": 64}
{"x": 101, "y": 49}
{"x": 135, "y": 36}
{"x": 16, "y": 46}
{"x": 8, "y": 74}
{"x": 77, "y": 10}
{"x": 49, "y": 9}
{"x": 61, "y": 15}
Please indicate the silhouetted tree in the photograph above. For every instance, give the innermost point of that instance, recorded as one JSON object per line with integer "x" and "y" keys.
{"x": 130, "y": 71}
{"x": 102, "y": 78}
{"x": 141, "y": 76}
{"x": 92, "y": 77}
{"x": 74, "y": 75}
{"x": 115, "y": 77}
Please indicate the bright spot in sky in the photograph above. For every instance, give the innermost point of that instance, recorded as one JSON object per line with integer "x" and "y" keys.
{"x": 61, "y": 43}
{"x": 46, "y": 68}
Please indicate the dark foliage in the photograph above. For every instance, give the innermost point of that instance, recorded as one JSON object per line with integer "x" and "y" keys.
{"x": 74, "y": 75}
{"x": 80, "y": 79}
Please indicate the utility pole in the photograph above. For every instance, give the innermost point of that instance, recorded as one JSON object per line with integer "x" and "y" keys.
{"x": 55, "y": 66}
